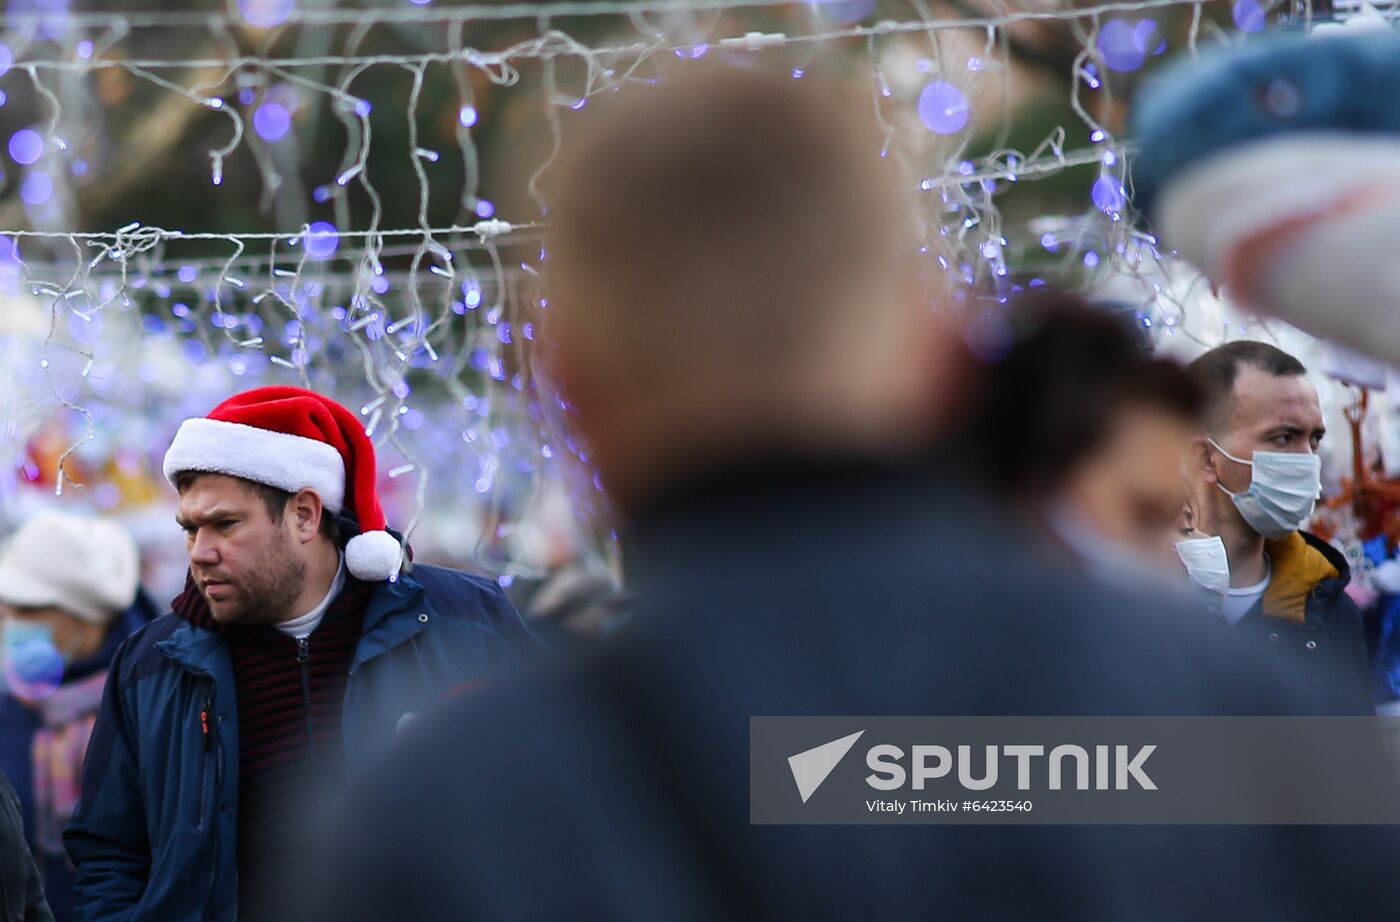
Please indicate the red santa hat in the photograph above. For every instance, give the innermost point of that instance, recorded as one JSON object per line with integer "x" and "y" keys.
{"x": 294, "y": 439}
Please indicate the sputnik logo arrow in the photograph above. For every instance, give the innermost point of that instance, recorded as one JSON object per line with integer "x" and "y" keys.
{"x": 811, "y": 768}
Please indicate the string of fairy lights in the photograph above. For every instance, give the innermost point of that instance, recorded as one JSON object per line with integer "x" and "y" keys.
{"x": 424, "y": 325}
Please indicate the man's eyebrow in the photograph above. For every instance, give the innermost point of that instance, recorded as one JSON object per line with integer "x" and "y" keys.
{"x": 212, "y": 515}
{"x": 1291, "y": 430}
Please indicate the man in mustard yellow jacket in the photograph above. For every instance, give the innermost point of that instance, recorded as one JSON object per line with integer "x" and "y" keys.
{"x": 1254, "y": 476}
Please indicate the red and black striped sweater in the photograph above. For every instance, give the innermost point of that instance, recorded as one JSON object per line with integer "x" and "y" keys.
{"x": 290, "y": 693}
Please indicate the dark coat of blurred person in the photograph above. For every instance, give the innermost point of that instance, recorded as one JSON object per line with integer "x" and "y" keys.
{"x": 1254, "y": 474}
{"x": 1080, "y": 428}
{"x": 732, "y": 318}
{"x": 69, "y": 590}
{"x": 21, "y": 888}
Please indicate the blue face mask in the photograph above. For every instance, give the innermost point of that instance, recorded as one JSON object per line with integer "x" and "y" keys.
{"x": 32, "y": 664}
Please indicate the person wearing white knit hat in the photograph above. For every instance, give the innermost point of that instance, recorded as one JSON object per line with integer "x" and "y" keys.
{"x": 70, "y": 594}
{"x": 70, "y": 575}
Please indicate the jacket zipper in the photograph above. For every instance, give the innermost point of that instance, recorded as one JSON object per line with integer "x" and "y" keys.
{"x": 304, "y": 658}
{"x": 212, "y": 749}
{"x": 206, "y": 714}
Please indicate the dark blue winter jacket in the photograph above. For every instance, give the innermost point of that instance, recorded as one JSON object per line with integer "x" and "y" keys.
{"x": 154, "y": 834}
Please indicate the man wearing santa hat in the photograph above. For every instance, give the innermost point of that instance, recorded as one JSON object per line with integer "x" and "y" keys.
{"x": 303, "y": 641}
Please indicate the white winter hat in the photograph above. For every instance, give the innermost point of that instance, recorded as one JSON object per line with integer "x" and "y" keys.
{"x": 85, "y": 566}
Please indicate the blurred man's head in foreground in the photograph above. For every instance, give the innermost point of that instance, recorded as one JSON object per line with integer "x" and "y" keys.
{"x": 1078, "y": 420}
{"x": 732, "y": 274}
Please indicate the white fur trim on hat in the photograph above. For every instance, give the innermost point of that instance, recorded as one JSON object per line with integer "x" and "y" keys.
{"x": 287, "y": 462}
{"x": 373, "y": 556}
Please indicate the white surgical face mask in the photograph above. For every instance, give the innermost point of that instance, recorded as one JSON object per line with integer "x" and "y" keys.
{"x": 1283, "y": 487}
{"x": 1208, "y": 568}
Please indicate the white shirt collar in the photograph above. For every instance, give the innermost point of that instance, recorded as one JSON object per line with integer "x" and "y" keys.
{"x": 303, "y": 625}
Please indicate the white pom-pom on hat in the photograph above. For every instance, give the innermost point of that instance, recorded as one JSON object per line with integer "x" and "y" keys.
{"x": 373, "y": 556}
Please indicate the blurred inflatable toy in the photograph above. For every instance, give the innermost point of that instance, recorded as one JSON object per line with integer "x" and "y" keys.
{"x": 1275, "y": 168}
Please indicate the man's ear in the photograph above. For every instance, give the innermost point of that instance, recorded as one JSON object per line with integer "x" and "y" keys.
{"x": 304, "y": 510}
{"x": 1199, "y": 463}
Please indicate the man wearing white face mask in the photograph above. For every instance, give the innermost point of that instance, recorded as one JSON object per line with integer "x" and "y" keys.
{"x": 1254, "y": 477}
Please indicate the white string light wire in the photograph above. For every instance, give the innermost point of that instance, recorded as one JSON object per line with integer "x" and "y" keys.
{"x": 318, "y": 306}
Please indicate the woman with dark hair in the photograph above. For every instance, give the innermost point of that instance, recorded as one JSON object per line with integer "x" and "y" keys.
{"x": 1083, "y": 429}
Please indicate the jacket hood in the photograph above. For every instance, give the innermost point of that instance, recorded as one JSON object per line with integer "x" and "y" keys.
{"x": 1302, "y": 565}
